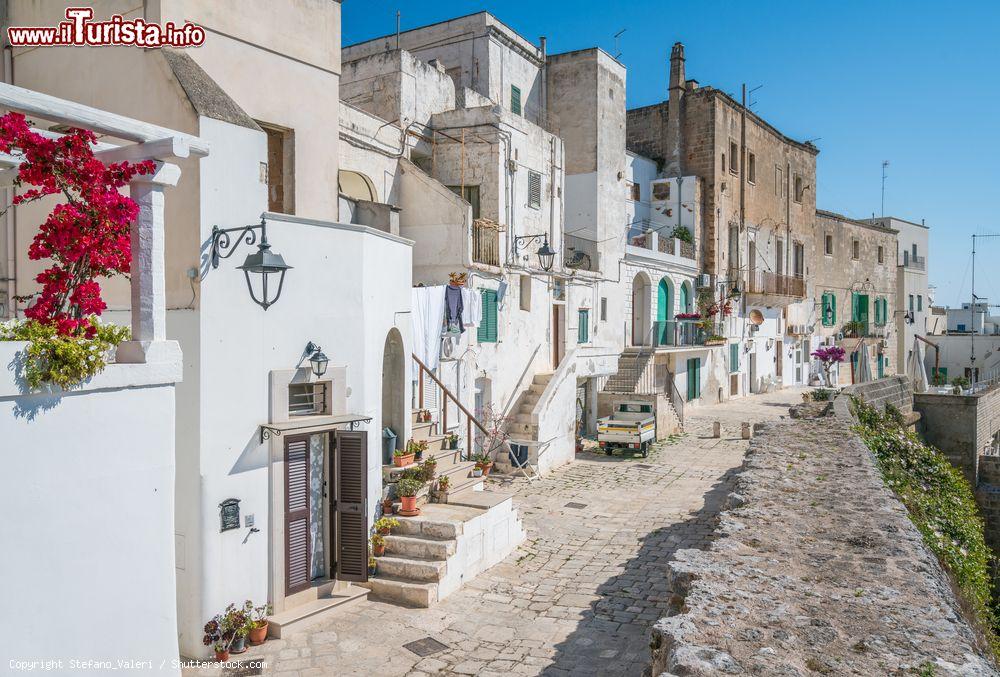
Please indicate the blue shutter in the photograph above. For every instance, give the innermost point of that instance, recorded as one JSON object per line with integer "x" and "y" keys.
{"x": 487, "y": 332}
{"x": 734, "y": 357}
{"x": 583, "y": 328}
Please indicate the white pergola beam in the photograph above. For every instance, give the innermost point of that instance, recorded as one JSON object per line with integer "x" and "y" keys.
{"x": 76, "y": 114}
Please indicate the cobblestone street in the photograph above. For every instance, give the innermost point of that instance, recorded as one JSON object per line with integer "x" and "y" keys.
{"x": 579, "y": 595}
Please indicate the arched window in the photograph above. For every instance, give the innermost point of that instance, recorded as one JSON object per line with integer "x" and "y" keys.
{"x": 356, "y": 186}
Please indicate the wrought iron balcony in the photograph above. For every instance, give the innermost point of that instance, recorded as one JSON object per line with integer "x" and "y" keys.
{"x": 766, "y": 282}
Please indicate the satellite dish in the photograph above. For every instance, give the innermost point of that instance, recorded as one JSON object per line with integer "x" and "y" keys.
{"x": 757, "y": 317}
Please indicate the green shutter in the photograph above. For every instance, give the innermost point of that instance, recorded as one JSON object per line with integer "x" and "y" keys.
{"x": 734, "y": 357}
{"x": 583, "y": 328}
{"x": 487, "y": 332}
{"x": 829, "y": 309}
{"x": 694, "y": 378}
{"x": 855, "y": 306}
{"x": 515, "y": 100}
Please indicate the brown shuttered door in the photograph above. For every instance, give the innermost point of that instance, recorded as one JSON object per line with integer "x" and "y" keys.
{"x": 352, "y": 499}
{"x": 296, "y": 514}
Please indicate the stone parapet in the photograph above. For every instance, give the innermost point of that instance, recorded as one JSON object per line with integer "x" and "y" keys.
{"x": 817, "y": 569}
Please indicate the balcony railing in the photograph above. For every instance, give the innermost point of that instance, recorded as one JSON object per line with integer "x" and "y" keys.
{"x": 908, "y": 260}
{"x": 485, "y": 243}
{"x": 580, "y": 253}
{"x": 679, "y": 333}
{"x": 859, "y": 329}
{"x": 648, "y": 238}
{"x": 765, "y": 282}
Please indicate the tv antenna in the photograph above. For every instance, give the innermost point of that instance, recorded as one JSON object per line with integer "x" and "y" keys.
{"x": 618, "y": 35}
{"x": 885, "y": 165}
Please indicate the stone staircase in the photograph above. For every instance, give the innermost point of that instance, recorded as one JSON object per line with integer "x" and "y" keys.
{"x": 522, "y": 426}
{"x": 429, "y": 556}
{"x": 307, "y": 607}
{"x": 632, "y": 364}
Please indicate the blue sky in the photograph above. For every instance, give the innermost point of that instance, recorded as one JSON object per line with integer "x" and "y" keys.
{"x": 914, "y": 83}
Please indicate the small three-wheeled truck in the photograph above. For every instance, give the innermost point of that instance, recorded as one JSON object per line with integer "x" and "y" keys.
{"x": 632, "y": 425}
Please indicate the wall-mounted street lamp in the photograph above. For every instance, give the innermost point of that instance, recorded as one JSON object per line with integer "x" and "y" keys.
{"x": 317, "y": 359}
{"x": 270, "y": 267}
{"x": 546, "y": 255}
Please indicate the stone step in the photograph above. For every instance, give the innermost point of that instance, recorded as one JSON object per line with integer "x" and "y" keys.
{"x": 541, "y": 379}
{"x": 422, "y": 431}
{"x": 478, "y": 499}
{"x": 408, "y": 593}
{"x": 528, "y": 430}
{"x": 537, "y": 388}
{"x": 428, "y": 528}
{"x": 411, "y": 568}
{"x": 421, "y": 548}
{"x": 304, "y": 615}
{"x": 464, "y": 484}
{"x": 446, "y": 459}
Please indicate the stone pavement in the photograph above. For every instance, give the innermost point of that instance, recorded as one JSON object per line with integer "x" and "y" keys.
{"x": 579, "y": 596}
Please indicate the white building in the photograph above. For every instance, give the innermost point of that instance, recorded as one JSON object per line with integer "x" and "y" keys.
{"x": 91, "y": 473}
{"x": 913, "y": 294}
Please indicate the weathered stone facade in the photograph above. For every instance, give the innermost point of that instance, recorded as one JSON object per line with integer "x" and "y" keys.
{"x": 779, "y": 172}
{"x": 961, "y": 426}
{"x": 856, "y": 257}
{"x": 817, "y": 569}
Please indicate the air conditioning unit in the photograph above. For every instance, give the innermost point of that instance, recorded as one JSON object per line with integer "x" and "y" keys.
{"x": 704, "y": 281}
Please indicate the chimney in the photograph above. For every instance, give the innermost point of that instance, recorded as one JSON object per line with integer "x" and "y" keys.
{"x": 673, "y": 141}
{"x": 677, "y": 77}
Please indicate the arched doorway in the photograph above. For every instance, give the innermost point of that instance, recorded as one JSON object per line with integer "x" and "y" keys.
{"x": 665, "y": 312}
{"x": 641, "y": 305}
{"x": 394, "y": 387}
{"x": 685, "y": 298}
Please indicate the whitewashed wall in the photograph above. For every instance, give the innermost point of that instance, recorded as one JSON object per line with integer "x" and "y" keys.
{"x": 88, "y": 486}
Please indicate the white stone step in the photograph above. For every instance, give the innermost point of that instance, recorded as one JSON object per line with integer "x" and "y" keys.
{"x": 427, "y": 526}
{"x": 302, "y": 616}
{"x": 421, "y": 431}
{"x": 541, "y": 379}
{"x": 421, "y": 548}
{"x": 478, "y": 499}
{"x": 411, "y": 569}
{"x": 408, "y": 593}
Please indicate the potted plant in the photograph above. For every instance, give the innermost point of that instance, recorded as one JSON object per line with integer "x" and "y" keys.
{"x": 417, "y": 448}
{"x": 219, "y": 635}
{"x": 442, "y": 488}
{"x": 484, "y": 462}
{"x": 372, "y": 566}
{"x": 387, "y": 508}
{"x": 407, "y": 488}
{"x": 240, "y": 623}
{"x": 258, "y": 621}
{"x": 451, "y": 439}
{"x": 385, "y": 525}
{"x": 477, "y": 471}
{"x": 402, "y": 457}
{"x": 428, "y": 469}
{"x": 958, "y": 384}
{"x": 715, "y": 340}
{"x": 424, "y": 416}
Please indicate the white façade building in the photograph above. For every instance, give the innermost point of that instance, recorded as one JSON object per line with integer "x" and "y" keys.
{"x": 256, "y": 427}
{"x": 481, "y": 188}
{"x": 91, "y": 469}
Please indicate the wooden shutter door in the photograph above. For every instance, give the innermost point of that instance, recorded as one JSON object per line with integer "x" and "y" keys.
{"x": 296, "y": 514}
{"x": 352, "y": 500}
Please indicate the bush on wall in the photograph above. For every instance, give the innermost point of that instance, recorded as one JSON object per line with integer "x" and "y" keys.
{"x": 941, "y": 504}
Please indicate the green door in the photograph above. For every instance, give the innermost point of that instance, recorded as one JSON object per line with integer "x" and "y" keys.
{"x": 694, "y": 378}
{"x": 859, "y": 311}
{"x": 664, "y": 309}
{"x": 685, "y": 299}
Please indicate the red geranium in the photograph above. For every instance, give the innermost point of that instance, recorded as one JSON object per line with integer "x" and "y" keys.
{"x": 88, "y": 236}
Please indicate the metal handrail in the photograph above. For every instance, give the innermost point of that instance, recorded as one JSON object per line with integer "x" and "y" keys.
{"x": 675, "y": 399}
{"x": 470, "y": 419}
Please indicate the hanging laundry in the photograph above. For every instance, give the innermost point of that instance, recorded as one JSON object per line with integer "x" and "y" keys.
{"x": 427, "y": 317}
{"x": 472, "y": 311}
{"x": 454, "y": 305}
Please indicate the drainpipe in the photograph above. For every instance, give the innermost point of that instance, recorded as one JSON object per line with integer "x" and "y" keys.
{"x": 10, "y": 217}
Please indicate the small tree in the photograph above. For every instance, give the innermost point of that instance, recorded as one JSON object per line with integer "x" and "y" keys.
{"x": 496, "y": 436}
{"x": 829, "y": 356}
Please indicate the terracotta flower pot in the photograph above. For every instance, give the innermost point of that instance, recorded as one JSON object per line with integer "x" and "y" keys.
{"x": 387, "y": 508}
{"x": 385, "y": 532}
{"x": 409, "y": 503}
{"x": 258, "y": 634}
{"x": 487, "y": 468}
{"x": 400, "y": 461}
{"x": 378, "y": 550}
{"x": 222, "y": 656}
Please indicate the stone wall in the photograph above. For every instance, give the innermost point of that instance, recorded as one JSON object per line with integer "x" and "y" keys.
{"x": 961, "y": 426}
{"x": 988, "y": 499}
{"x": 894, "y": 390}
{"x": 817, "y": 569}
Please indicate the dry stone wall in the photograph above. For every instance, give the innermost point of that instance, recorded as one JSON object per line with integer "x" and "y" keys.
{"x": 817, "y": 569}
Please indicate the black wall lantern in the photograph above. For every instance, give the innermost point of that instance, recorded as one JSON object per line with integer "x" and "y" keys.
{"x": 270, "y": 267}
{"x": 317, "y": 359}
{"x": 546, "y": 255}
